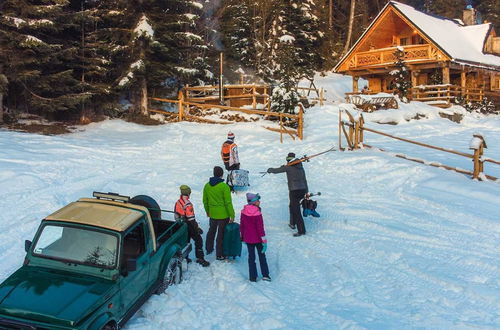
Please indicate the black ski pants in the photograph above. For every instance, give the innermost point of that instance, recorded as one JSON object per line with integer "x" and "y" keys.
{"x": 295, "y": 216}
{"x": 195, "y": 235}
{"x": 216, "y": 227}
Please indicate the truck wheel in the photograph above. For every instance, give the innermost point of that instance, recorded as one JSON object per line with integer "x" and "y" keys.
{"x": 110, "y": 326}
{"x": 173, "y": 274}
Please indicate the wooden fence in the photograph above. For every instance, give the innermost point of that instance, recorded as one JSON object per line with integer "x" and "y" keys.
{"x": 445, "y": 95}
{"x": 290, "y": 124}
{"x": 354, "y": 136}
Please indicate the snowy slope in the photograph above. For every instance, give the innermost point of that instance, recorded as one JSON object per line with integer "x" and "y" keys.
{"x": 399, "y": 244}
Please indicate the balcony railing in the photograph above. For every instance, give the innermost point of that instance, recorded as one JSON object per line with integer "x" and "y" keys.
{"x": 386, "y": 55}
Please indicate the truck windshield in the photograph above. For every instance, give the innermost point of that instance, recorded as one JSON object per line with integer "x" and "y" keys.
{"x": 77, "y": 245}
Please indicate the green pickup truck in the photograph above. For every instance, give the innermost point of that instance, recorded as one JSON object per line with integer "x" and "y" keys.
{"x": 93, "y": 263}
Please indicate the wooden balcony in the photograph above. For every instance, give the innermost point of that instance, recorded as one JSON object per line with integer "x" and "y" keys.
{"x": 412, "y": 53}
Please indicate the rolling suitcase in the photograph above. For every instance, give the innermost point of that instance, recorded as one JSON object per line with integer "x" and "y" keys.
{"x": 232, "y": 243}
{"x": 238, "y": 179}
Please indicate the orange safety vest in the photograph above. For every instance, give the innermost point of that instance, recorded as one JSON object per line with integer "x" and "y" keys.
{"x": 226, "y": 151}
{"x": 184, "y": 209}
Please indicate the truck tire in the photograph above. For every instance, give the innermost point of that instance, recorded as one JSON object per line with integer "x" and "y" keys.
{"x": 110, "y": 326}
{"x": 173, "y": 275}
{"x": 149, "y": 203}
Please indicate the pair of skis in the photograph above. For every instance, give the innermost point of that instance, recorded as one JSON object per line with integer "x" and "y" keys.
{"x": 304, "y": 159}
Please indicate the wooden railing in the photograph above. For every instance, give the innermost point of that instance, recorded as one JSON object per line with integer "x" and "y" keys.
{"x": 291, "y": 124}
{"x": 355, "y": 140}
{"x": 446, "y": 94}
{"x": 386, "y": 55}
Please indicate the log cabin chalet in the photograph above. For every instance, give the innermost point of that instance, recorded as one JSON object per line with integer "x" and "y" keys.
{"x": 464, "y": 55}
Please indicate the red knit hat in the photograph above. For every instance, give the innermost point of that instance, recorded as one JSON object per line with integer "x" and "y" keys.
{"x": 230, "y": 136}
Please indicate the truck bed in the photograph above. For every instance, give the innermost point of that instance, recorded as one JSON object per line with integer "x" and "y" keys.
{"x": 164, "y": 229}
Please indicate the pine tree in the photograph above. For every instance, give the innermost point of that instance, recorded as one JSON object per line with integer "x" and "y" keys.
{"x": 37, "y": 49}
{"x": 236, "y": 29}
{"x": 291, "y": 55}
{"x": 401, "y": 83}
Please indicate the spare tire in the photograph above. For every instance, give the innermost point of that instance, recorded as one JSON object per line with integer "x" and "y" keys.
{"x": 149, "y": 203}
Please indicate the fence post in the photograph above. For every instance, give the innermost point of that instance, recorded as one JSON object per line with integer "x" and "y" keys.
{"x": 281, "y": 128}
{"x": 321, "y": 96}
{"x": 478, "y": 144}
{"x": 361, "y": 135}
{"x": 254, "y": 100}
{"x": 181, "y": 105}
{"x": 300, "y": 128}
{"x": 340, "y": 128}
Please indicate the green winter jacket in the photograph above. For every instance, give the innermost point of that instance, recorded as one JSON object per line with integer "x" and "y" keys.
{"x": 217, "y": 199}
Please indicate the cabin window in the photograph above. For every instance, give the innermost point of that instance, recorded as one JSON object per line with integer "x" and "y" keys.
{"x": 417, "y": 40}
{"x": 403, "y": 41}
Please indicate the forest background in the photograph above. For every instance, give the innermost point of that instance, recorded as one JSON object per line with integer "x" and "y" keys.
{"x": 76, "y": 60}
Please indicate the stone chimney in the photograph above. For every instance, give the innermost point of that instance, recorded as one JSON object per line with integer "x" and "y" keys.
{"x": 469, "y": 15}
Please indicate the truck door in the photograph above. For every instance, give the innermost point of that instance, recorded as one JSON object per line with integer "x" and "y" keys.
{"x": 135, "y": 283}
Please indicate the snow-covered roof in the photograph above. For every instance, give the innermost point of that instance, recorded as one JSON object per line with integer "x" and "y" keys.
{"x": 460, "y": 42}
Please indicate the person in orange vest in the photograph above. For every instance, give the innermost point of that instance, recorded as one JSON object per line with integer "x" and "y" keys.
{"x": 184, "y": 211}
{"x": 229, "y": 153}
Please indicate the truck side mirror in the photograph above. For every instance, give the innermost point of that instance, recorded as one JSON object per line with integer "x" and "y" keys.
{"x": 131, "y": 265}
{"x": 27, "y": 245}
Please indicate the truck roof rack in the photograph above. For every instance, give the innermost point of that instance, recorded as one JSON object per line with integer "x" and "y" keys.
{"x": 111, "y": 196}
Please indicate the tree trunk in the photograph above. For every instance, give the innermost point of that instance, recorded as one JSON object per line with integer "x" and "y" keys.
{"x": 1, "y": 107}
{"x": 349, "y": 32}
{"x": 144, "y": 97}
{"x": 330, "y": 15}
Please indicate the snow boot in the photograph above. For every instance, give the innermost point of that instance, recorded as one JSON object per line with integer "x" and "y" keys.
{"x": 291, "y": 226}
{"x": 266, "y": 278}
{"x": 297, "y": 234}
{"x": 203, "y": 262}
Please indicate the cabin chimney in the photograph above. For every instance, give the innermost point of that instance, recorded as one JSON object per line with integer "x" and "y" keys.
{"x": 469, "y": 15}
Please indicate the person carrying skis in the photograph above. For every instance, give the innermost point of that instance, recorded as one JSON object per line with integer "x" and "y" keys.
{"x": 253, "y": 234}
{"x": 297, "y": 188}
{"x": 219, "y": 208}
{"x": 229, "y": 153}
{"x": 184, "y": 211}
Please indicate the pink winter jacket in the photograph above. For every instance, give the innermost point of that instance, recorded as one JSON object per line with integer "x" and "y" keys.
{"x": 252, "y": 225}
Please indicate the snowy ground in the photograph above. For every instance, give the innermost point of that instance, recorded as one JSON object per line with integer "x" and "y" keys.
{"x": 399, "y": 244}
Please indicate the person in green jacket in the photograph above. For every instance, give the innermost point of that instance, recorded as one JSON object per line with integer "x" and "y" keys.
{"x": 219, "y": 207}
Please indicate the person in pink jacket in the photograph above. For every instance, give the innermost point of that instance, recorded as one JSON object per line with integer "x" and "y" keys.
{"x": 253, "y": 234}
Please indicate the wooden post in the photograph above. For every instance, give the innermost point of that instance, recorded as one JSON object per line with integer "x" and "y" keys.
{"x": 414, "y": 75}
{"x": 321, "y": 96}
{"x": 181, "y": 105}
{"x": 361, "y": 135}
{"x": 356, "y": 135}
{"x": 254, "y": 101}
{"x": 478, "y": 154}
{"x": 300, "y": 128}
{"x": 355, "y": 88}
{"x": 446, "y": 75}
{"x": 340, "y": 128}
{"x": 281, "y": 128}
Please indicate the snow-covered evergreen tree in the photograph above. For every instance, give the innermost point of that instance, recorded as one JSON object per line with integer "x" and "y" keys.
{"x": 401, "y": 83}
{"x": 190, "y": 38}
{"x": 237, "y": 29}
{"x": 41, "y": 55}
{"x": 290, "y": 51}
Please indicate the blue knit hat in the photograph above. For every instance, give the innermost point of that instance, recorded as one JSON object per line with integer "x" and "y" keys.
{"x": 252, "y": 198}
